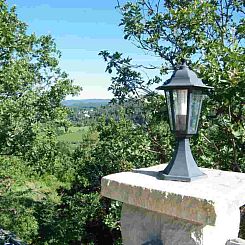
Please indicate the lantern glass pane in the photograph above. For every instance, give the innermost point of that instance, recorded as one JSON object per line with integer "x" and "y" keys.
{"x": 196, "y": 98}
{"x": 180, "y": 109}
{"x": 167, "y": 93}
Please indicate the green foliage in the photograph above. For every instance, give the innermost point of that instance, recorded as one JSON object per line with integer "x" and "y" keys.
{"x": 50, "y": 193}
{"x": 34, "y": 166}
{"x": 121, "y": 145}
{"x": 182, "y": 29}
{"x": 112, "y": 218}
{"x": 32, "y": 84}
{"x": 21, "y": 191}
{"x": 66, "y": 223}
{"x": 127, "y": 81}
{"x": 209, "y": 35}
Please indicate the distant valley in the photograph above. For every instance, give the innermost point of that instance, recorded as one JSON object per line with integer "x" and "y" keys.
{"x": 86, "y": 103}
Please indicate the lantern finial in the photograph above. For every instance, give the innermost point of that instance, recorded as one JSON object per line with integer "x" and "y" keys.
{"x": 183, "y": 64}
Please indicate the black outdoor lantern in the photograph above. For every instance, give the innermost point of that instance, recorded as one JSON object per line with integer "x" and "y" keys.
{"x": 184, "y": 93}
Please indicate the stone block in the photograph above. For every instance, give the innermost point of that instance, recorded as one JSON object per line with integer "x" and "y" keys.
{"x": 237, "y": 241}
{"x": 202, "y": 212}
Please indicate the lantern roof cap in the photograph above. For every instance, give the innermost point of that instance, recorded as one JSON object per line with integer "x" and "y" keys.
{"x": 183, "y": 77}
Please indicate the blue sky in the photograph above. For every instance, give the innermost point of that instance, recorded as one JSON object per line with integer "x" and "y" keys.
{"x": 81, "y": 28}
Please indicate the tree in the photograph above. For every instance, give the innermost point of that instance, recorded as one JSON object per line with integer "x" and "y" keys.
{"x": 210, "y": 36}
{"x": 120, "y": 146}
{"x": 32, "y": 84}
{"x": 34, "y": 166}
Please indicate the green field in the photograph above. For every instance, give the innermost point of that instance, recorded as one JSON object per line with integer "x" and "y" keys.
{"x": 74, "y": 135}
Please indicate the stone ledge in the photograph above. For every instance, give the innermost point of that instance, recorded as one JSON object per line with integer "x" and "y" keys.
{"x": 199, "y": 201}
{"x": 237, "y": 241}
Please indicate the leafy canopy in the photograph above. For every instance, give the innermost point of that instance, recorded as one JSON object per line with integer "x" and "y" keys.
{"x": 210, "y": 36}
{"x": 32, "y": 84}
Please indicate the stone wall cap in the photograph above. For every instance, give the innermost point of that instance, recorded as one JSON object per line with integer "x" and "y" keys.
{"x": 237, "y": 241}
{"x": 198, "y": 201}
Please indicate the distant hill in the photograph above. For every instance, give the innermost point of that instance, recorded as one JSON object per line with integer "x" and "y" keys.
{"x": 86, "y": 103}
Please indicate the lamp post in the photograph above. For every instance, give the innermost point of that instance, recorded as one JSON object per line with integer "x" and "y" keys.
{"x": 184, "y": 93}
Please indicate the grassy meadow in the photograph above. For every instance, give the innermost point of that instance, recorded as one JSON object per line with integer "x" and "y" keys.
{"x": 73, "y": 136}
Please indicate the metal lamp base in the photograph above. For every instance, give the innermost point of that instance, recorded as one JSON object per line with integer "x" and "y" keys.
{"x": 183, "y": 166}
